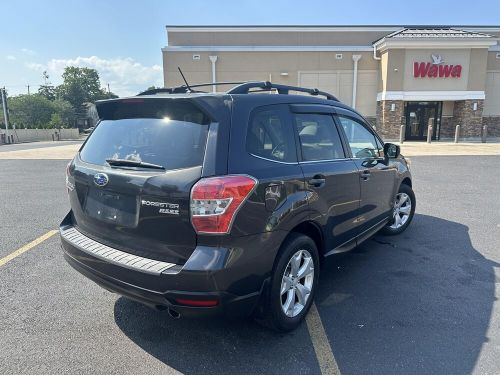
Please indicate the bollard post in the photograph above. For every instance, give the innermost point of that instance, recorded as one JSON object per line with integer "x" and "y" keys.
{"x": 402, "y": 134}
{"x": 457, "y": 133}
{"x": 485, "y": 134}
{"x": 429, "y": 134}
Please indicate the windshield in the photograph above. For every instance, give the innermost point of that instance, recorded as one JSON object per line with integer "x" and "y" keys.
{"x": 171, "y": 143}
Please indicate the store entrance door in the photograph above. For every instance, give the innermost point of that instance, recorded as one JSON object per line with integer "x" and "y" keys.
{"x": 419, "y": 115}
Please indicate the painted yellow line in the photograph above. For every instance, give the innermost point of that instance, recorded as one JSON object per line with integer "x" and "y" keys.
{"x": 27, "y": 247}
{"x": 326, "y": 359}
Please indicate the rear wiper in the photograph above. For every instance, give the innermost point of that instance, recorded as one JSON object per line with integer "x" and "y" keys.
{"x": 133, "y": 163}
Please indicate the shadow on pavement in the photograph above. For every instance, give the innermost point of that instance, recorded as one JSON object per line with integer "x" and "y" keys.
{"x": 415, "y": 303}
{"x": 215, "y": 346}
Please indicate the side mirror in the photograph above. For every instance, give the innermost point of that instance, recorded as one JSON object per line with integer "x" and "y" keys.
{"x": 391, "y": 150}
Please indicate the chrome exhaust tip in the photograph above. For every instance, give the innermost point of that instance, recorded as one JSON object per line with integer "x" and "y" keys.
{"x": 174, "y": 314}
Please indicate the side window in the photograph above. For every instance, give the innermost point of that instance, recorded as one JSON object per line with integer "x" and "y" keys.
{"x": 319, "y": 138}
{"x": 270, "y": 137}
{"x": 361, "y": 140}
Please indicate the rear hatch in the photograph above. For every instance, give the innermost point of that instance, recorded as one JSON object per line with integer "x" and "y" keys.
{"x": 130, "y": 183}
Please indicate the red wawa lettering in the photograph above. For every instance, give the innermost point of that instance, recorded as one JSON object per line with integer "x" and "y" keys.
{"x": 421, "y": 70}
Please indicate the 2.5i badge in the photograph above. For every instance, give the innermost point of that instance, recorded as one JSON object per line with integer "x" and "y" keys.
{"x": 163, "y": 207}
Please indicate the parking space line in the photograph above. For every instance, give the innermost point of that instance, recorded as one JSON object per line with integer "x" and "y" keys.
{"x": 326, "y": 359}
{"x": 27, "y": 247}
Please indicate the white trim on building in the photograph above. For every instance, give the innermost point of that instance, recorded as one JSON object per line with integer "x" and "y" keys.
{"x": 267, "y": 29}
{"x": 267, "y": 48}
{"x": 430, "y": 95}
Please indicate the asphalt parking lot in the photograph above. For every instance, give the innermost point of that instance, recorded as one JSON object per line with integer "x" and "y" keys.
{"x": 425, "y": 302}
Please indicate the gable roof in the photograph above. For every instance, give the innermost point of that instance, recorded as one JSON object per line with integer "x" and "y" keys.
{"x": 436, "y": 33}
{"x": 447, "y": 37}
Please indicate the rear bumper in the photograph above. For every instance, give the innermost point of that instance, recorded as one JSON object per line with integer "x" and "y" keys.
{"x": 236, "y": 287}
{"x": 229, "y": 304}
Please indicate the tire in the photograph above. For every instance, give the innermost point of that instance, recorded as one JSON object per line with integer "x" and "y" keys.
{"x": 399, "y": 226}
{"x": 303, "y": 250}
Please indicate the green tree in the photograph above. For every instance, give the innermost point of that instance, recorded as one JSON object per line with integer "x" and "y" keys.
{"x": 36, "y": 111}
{"x": 30, "y": 111}
{"x": 108, "y": 95}
{"x": 65, "y": 111}
{"x": 47, "y": 91}
{"x": 56, "y": 122}
{"x": 81, "y": 85}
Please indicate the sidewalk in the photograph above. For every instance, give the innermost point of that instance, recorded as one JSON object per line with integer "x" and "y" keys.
{"x": 407, "y": 149}
{"x": 65, "y": 152}
{"x": 449, "y": 148}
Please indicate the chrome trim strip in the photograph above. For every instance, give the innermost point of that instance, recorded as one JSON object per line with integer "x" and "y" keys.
{"x": 274, "y": 161}
{"x": 111, "y": 255}
{"x": 323, "y": 160}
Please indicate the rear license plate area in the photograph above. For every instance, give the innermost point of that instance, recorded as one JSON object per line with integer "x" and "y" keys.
{"x": 111, "y": 207}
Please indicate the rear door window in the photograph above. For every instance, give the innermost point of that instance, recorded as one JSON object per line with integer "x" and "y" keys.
{"x": 165, "y": 133}
{"x": 270, "y": 136}
{"x": 319, "y": 138}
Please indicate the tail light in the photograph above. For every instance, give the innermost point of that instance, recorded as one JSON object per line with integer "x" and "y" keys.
{"x": 215, "y": 201}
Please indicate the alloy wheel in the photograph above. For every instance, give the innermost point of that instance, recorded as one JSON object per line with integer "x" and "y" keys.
{"x": 297, "y": 283}
{"x": 402, "y": 210}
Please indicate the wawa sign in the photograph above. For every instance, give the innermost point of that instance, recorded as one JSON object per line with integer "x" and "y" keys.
{"x": 436, "y": 68}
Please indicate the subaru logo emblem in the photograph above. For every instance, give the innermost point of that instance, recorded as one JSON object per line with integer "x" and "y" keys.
{"x": 101, "y": 179}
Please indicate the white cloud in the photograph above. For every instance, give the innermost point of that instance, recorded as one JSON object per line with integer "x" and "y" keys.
{"x": 11, "y": 58}
{"x": 28, "y": 51}
{"x": 124, "y": 75}
{"x": 36, "y": 66}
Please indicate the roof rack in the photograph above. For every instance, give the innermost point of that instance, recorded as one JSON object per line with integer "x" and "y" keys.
{"x": 245, "y": 88}
{"x": 241, "y": 88}
{"x": 185, "y": 89}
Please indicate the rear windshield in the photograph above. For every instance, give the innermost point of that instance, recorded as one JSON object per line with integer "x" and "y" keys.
{"x": 169, "y": 134}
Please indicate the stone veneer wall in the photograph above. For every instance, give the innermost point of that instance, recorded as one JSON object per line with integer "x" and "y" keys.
{"x": 389, "y": 122}
{"x": 493, "y": 123}
{"x": 447, "y": 127}
{"x": 470, "y": 121}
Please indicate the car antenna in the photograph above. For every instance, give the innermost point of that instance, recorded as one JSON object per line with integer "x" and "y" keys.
{"x": 184, "y": 78}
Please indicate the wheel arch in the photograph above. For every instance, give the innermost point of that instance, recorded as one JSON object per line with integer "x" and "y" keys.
{"x": 310, "y": 229}
{"x": 307, "y": 228}
{"x": 406, "y": 181}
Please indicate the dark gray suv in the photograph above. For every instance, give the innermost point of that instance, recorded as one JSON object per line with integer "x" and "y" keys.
{"x": 202, "y": 203}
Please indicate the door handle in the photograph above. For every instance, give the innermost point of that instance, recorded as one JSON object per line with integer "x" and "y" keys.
{"x": 365, "y": 175}
{"x": 317, "y": 181}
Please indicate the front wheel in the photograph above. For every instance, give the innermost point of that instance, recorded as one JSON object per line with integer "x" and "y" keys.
{"x": 403, "y": 211}
{"x": 293, "y": 284}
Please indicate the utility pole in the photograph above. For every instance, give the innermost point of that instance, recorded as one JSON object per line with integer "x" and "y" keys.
{"x": 108, "y": 88}
{"x": 28, "y": 86}
{"x": 5, "y": 114}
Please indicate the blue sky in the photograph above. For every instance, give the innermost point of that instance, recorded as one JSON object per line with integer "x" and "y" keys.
{"x": 122, "y": 39}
